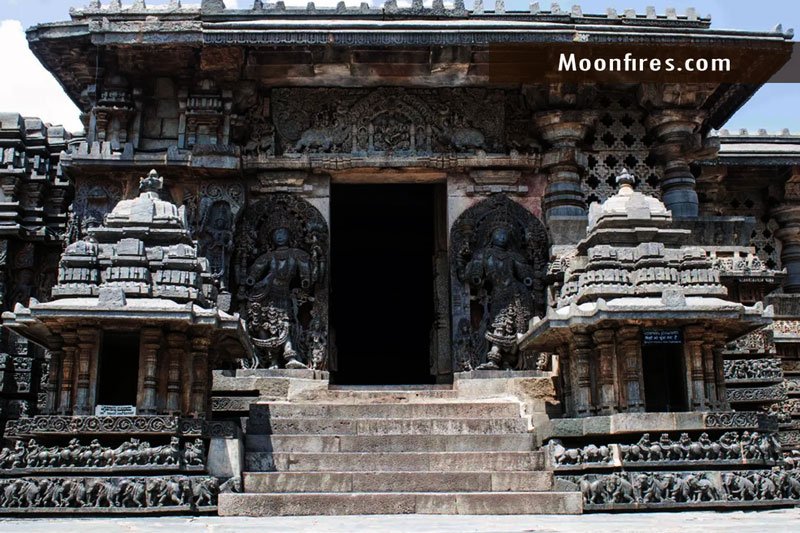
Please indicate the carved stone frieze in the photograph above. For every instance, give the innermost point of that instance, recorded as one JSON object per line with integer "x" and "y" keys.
{"x": 282, "y": 282}
{"x": 789, "y": 439}
{"x": 759, "y": 341}
{"x": 784, "y": 411}
{"x": 30, "y": 456}
{"x": 92, "y": 425}
{"x": 232, "y": 403}
{"x": 731, "y": 447}
{"x": 740, "y": 420}
{"x": 683, "y": 489}
{"x": 498, "y": 262}
{"x": 132, "y": 494}
{"x": 589, "y": 454}
{"x": 390, "y": 120}
{"x": 756, "y": 394}
{"x": 752, "y": 370}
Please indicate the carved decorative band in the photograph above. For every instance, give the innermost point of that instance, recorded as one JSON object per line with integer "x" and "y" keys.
{"x": 757, "y": 394}
{"x": 137, "y": 494}
{"x": 689, "y": 489}
{"x": 741, "y": 420}
{"x": 127, "y": 425}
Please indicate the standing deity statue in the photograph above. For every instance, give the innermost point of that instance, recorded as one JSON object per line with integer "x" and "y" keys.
{"x": 216, "y": 241}
{"x": 273, "y": 281}
{"x": 502, "y": 280}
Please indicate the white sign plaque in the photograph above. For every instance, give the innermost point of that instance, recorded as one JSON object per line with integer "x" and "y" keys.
{"x": 115, "y": 410}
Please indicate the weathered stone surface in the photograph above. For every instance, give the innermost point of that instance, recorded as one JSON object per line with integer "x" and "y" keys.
{"x": 398, "y": 503}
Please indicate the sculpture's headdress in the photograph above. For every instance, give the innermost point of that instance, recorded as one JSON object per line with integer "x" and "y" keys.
{"x": 152, "y": 183}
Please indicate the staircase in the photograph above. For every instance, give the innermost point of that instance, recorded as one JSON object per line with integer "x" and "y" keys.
{"x": 393, "y": 451}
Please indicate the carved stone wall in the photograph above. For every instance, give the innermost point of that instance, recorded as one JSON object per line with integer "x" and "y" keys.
{"x": 34, "y": 196}
{"x": 394, "y": 121}
{"x": 619, "y": 142}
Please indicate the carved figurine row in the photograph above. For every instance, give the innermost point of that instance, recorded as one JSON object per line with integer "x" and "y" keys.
{"x": 730, "y": 446}
{"x": 688, "y": 487}
{"x": 753, "y": 369}
{"x": 32, "y": 455}
{"x": 132, "y": 493}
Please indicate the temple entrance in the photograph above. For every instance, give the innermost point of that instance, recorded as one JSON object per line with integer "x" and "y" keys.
{"x": 382, "y": 282}
{"x": 664, "y": 378}
{"x": 118, "y": 372}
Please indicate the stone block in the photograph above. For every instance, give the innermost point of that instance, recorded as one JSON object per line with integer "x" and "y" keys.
{"x": 298, "y": 482}
{"x": 406, "y": 462}
{"x": 225, "y": 457}
{"x": 522, "y": 481}
{"x": 315, "y": 504}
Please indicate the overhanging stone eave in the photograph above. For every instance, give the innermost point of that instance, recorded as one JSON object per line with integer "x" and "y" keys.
{"x": 36, "y": 322}
{"x": 735, "y": 321}
{"x": 183, "y": 161}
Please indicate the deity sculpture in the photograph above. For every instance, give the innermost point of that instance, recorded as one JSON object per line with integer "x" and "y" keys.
{"x": 216, "y": 241}
{"x": 273, "y": 300}
{"x": 503, "y": 280}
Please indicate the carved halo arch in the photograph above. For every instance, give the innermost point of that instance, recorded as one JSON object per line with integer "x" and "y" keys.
{"x": 309, "y": 232}
{"x": 472, "y": 231}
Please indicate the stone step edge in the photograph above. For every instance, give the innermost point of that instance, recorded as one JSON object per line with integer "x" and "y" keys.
{"x": 301, "y": 473}
{"x": 332, "y": 419}
{"x": 405, "y": 454}
{"x": 543, "y": 477}
{"x": 394, "y": 503}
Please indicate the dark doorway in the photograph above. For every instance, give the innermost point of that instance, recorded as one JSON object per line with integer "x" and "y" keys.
{"x": 664, "y": 378}
{"x": 382, "y": 247}
{"x": 118, "y": 372}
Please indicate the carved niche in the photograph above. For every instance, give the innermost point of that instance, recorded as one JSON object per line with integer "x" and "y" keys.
{"x": 282, "y": 281}
{"x": 498, "y": 261}
{"x": 93, "y": 201}
{"x": 388, "y": 120}
{"x": 219, "y": 213}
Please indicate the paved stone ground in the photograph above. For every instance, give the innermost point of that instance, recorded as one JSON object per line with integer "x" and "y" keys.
{"x": 786, "y": 520}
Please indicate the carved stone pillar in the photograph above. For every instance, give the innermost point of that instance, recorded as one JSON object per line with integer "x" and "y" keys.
{"x": 581, "y": 373}
{"x": 200, "y": 376}
{"x": 53, "y": 375}
{"x": 709, "y": 370}
{"x": 607, "y": 371}
{"x": 693, "y": 351}
{"x": 87, "y": 354}
{"x": 630, "y": 346}
{"x": 677, "y": 144}
{"x": 565, "y": 373}
{"x": 719, "y": 373}
{"x": 176, "y": 347}
{"x": 148, "y": 371}
{"x": 67, "y": 371}
{"x": 562, "y": 131}
{"x": 788, "y": 217}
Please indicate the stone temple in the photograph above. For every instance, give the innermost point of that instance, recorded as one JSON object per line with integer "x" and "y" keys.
{"x": 316, "y": 261}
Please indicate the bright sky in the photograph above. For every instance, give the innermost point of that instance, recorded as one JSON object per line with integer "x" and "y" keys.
{"x": 29, "y": 89}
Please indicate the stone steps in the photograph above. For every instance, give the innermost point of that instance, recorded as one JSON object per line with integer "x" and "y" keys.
{"x": 395, "y": 462}
{"x": 393, "y": 450}
{"x": 386, "y": 426}
{"x": 503, "y": 442}
{"x": 266, "y": 482}
{"x": 442, "y": 409}
{"x": 363, "y": 503}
